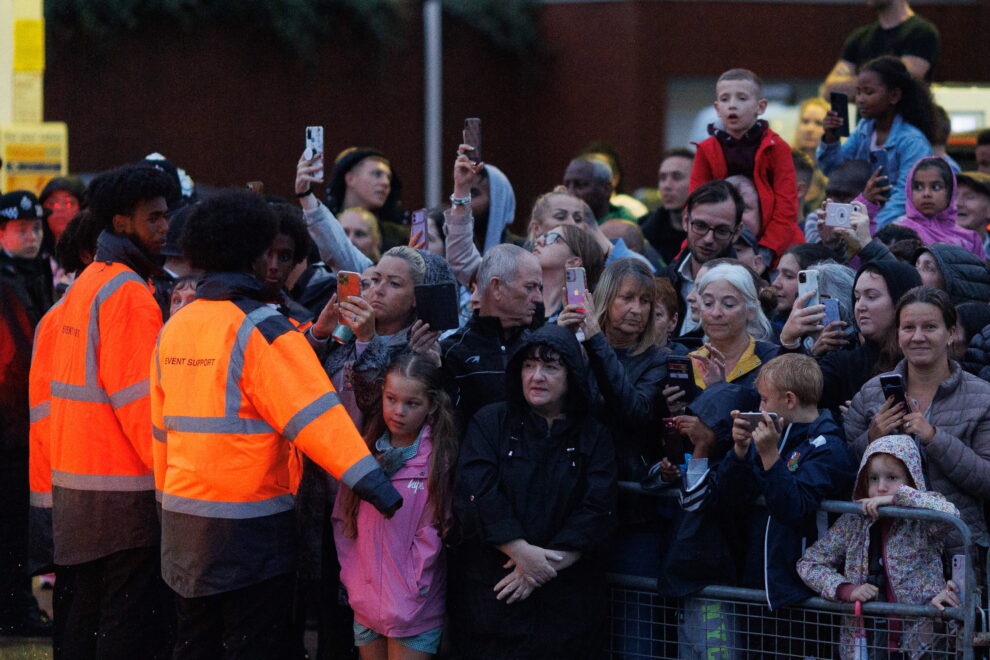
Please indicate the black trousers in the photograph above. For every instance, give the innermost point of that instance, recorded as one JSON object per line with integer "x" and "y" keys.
{"x": 245, "y": 624}
{"x": 65, "y": 588}
{"x": 117, "y": 608}
{"x": 16, "y": 599}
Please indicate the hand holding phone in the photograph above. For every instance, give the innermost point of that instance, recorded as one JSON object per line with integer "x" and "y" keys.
{"x": 680, "y": 373}
{"x": 576, "y": 284}
{"x": 754, "y": 419}
{"x": 892, "y": 385}
{"x": 808, "y": 281}
{"x": 418, "y": 228}
{"x": 838, "y": 215}
{"x": 348, "y": 284}
{"x": 840, "y": 106}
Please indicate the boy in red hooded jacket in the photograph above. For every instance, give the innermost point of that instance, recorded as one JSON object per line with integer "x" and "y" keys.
{"x": 740, "y": 143}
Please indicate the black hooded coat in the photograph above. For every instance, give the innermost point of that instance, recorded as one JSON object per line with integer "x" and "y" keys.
{"x": 845, "y": 372}
{"x": 553, "y": 486}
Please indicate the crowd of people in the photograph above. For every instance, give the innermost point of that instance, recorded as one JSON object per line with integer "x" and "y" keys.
{"x": 226, "y": 418}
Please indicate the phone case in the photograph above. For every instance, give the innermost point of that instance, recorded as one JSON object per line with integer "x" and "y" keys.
{"x": 893, "y": 385}
{"x": 840, "y": 105}
{"x": 810, "y": 283}
{"x": 472, "y": 136}
{"x": 878, "y": 158}
{"x": 838, "y": 215}
{"x": 959, "y": 575}
{"x": 314, "y": 145}
{"x": 348, "y": 284}
{"x": 576, "y": 285}
{"x": 831, "y": 311}
{"x": 436, "y": 304}
{"x": 418, "y": 224}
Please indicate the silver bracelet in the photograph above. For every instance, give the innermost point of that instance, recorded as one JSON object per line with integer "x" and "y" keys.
{"x": 460, "y": 201}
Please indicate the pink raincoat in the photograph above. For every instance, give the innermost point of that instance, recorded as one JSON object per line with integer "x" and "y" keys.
{"x": 395, "y": 570}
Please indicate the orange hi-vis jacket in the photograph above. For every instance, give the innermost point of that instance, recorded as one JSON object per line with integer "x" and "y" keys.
{"x": 102, "y": 486}
{"x": 40, "y": 557}
{"x": 233, "y": 383}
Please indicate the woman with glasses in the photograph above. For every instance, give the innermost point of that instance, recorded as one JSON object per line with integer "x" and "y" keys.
{"x": 557, "y": 250}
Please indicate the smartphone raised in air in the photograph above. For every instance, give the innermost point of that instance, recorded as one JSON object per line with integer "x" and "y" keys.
{"x": 576, "y": 282}
{"x": 472, "y": 136}
{"x": 314, "y": 146}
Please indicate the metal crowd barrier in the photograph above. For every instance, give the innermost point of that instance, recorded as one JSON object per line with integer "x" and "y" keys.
{"x": 729, "y": 623}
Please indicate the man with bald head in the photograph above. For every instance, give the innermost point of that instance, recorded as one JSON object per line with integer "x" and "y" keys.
{"x": 590, "y": 179}
{"x": 510, "y": 288}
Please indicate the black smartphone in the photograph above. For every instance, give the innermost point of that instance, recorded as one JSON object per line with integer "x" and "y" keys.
{"x": 436, "y": 304}
{"x": 472, "y": 136}
{"x": 893, "y": 386}
{"x": 840, "y": 106}
{"x": 878, "y": 158}
{"x": 680, "y": 372}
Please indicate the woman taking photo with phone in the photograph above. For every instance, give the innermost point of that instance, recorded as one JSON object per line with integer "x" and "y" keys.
{"x": 877, "y": 287}
{"x": 618, "y": 332}
{"x": 559, "y": 249}
{"x": 946, "y": 413}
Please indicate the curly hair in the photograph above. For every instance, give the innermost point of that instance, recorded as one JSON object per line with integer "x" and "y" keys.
{"x": 118, "y": 191}
{"x": 916, "y": 106}
{"x": 77, "y": 244}
{"x": 291, "y": 223}
{"x": 228, "y": 232}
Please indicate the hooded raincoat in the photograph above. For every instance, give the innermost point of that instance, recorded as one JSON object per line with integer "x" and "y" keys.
{"x": 911, "y": 551}
{"x": 395, "y": 569}
{"x": 942, "y": 227}
{"x": 957, "y": 459}
{"x": 552, "y": 485}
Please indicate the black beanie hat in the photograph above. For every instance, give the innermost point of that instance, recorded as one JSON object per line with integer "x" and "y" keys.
{"x": 899, "y": 276}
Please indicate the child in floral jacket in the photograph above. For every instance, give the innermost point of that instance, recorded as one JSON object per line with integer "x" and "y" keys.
{"x": 905, "y": 564}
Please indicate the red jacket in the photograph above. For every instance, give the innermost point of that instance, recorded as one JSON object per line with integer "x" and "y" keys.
{"x": 775, "y": 182}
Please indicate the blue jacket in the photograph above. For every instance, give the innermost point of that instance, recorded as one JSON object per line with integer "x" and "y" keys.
{"x": 904, "y": 146}
{"x": 814, "y": 465}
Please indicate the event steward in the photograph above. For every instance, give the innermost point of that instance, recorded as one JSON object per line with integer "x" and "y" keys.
{"x": 225, "y": 418}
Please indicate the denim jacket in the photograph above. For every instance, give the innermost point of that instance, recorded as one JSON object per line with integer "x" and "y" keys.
{"x": 905, "y": 145}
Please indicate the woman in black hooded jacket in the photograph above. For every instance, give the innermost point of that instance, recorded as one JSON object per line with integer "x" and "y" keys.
{"x": 874, "y": 301}
{"x": 534, "y": 495}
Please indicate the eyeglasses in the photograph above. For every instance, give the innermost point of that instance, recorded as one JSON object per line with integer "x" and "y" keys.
{"x": 550, "y": 238}
{"x": 702, "y": 228}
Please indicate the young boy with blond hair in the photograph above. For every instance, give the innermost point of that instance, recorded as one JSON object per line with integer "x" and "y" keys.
{"x": 742, "y": 143}
{"x": 793, "y": 463}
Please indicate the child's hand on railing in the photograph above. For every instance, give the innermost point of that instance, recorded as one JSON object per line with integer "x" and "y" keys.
{"x": 864, "y": 592}
{"x": 872, "y": 504}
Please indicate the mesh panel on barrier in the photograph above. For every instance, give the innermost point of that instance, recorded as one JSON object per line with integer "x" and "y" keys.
{"x": 644, "y": 625}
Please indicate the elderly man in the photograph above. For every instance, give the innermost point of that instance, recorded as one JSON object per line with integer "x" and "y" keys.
{"x": 510, "y": 288}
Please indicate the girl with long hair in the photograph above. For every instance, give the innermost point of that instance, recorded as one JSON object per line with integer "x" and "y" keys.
{"x": 394, "y": 569}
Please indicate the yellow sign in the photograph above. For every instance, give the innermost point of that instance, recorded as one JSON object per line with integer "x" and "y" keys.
{"x": 29, "y": 44}
{"x": 33, "y": 154}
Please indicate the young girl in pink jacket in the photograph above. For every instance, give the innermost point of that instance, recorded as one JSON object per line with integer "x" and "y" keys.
{"x": 394, "y": 569}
